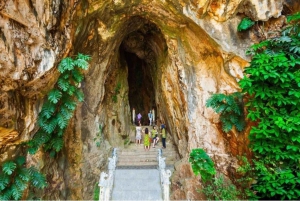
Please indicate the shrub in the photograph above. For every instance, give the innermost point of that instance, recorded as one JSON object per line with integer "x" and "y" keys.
{"x": 230, "y": 108}
{"x": 273, "y": 86}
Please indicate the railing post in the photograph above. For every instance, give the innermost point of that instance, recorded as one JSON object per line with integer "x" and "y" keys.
{"x": 103, "y": 181}
{"x": 107, "y": 180}
{"x": 164, "y": 176}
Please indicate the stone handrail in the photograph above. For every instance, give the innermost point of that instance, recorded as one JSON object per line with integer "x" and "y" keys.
{"x": 106, "y": 180}
{"x": 164, "y": 176}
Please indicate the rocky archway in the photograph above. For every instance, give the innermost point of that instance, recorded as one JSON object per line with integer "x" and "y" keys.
{"x": 179, "y": 62}
{"x": 131, "y": 79}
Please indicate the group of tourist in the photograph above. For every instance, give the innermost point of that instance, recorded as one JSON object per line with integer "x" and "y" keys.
{"x": 137, "y": 119}
{"x": 150, "y": 137}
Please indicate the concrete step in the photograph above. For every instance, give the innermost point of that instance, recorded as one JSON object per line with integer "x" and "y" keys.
{"x": 136, "y": 195}
{"x": 137, "y": 160}
{"x": 137, "y": 163}
{"x": 130, "y": 153}
{"x": 137, "y": 184}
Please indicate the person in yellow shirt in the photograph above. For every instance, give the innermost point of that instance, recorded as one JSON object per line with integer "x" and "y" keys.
{"x": 146, "y": 139}
{"x": 154, "y": 136}
{"x": 163, "y": 135}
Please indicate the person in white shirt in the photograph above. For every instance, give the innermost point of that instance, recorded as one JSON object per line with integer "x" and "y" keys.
{"x": 150, "y": 118}
{"x": 153, "y": 116}
{"x": 133, "y": 116}
{"x": 138, "y": 136}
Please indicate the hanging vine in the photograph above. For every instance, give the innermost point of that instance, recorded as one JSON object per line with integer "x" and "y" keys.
{"x": 53, "y": 119}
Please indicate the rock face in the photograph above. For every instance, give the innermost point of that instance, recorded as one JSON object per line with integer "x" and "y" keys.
{"x": 167, "y": 55}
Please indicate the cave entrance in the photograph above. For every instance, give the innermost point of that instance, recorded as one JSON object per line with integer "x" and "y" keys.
{"x": 141, "y": 50}
{"x": 141, "y": 91}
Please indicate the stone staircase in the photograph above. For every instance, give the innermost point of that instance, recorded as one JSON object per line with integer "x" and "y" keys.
{"x": 135, "y": 156}
{"x": 137, "y": 176}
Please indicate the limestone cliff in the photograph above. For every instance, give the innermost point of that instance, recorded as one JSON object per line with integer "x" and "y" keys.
{"x": 170, "y": 55}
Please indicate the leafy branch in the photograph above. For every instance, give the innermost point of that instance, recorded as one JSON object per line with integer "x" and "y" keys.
{"x": 53, "y": 119}
{"x": 215, "y": 187}
{"x": 15, "y": 178}
{"x": 116, "y": 93}
{"x": 231, "y": 110}
{"x": 273, "y": 85}
{"x": 245, "y": 24}
{"x": 98, "y": 139}
{"x": 59, "y": 107}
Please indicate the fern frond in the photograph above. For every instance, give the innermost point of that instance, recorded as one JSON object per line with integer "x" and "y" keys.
{"x": 227, "y": 126}
{"x": 221, "y": 108}
{"x": 50, "y": 125}
{"x": 42, "y": 120}
{"x": 77, "y": 76}
{"x": 83, "y": 56}
{"x": 229, "y": 100}
{"x": 9, "y": 167}
{"x": 41, "y": 137}
{"x": 54, "y": 96}
{"x": 16, "y": 192}
{"x": 60, "y": 132}
{"x": 283, "y": 39}
{"x": 21, "y": 185}
{"x": 81, "y": 63}
{"x": 57, "y": 143}
{"x": 4, "y": 181}
{"x": 295, "y": 49}
{"x": 6, "y": 194}
{"x": 236, "y": 108}
{"x": 61, "y": 121}
{"x": 70, "y": 104}
{"x": 71, "y": 90}
{"x": 240, "y": 124}
{"x": 215, "y": 100}
{"x": 65, "y": 76}
{"x": 66, "y": 64}
{"x": 48, "y": 109}
{"x": 79, "y": 95}
{"x": 37, "y": 179}
{"x": 234, "y": 119}
{"x": 63, "y": 84}
{"x": 68, "y": 114}
{"x": 24, "y": 174}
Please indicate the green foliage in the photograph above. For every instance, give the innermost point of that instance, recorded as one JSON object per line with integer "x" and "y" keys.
{"x": 273, "y": 86}
{"x": 220, "y": 189}
{"x": 9, "y": 167}
{"x": 215, "y": 188}
{"x": 202, "y": 164}
{"x": 295, "y": 17}
{"x": 96, "y": 191}
{"x": 54, "y": 96}
{"x": 99, "y": 137}
{"x": 116, "y": 93}
{"x": 59, "y": 107}
{"x": 230, "y": 108}
{"x": 37, "y": 179}
{"x": 53, "y": 119}
{"x": 245, "y": 24}
{"x": 15, "y": 178}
